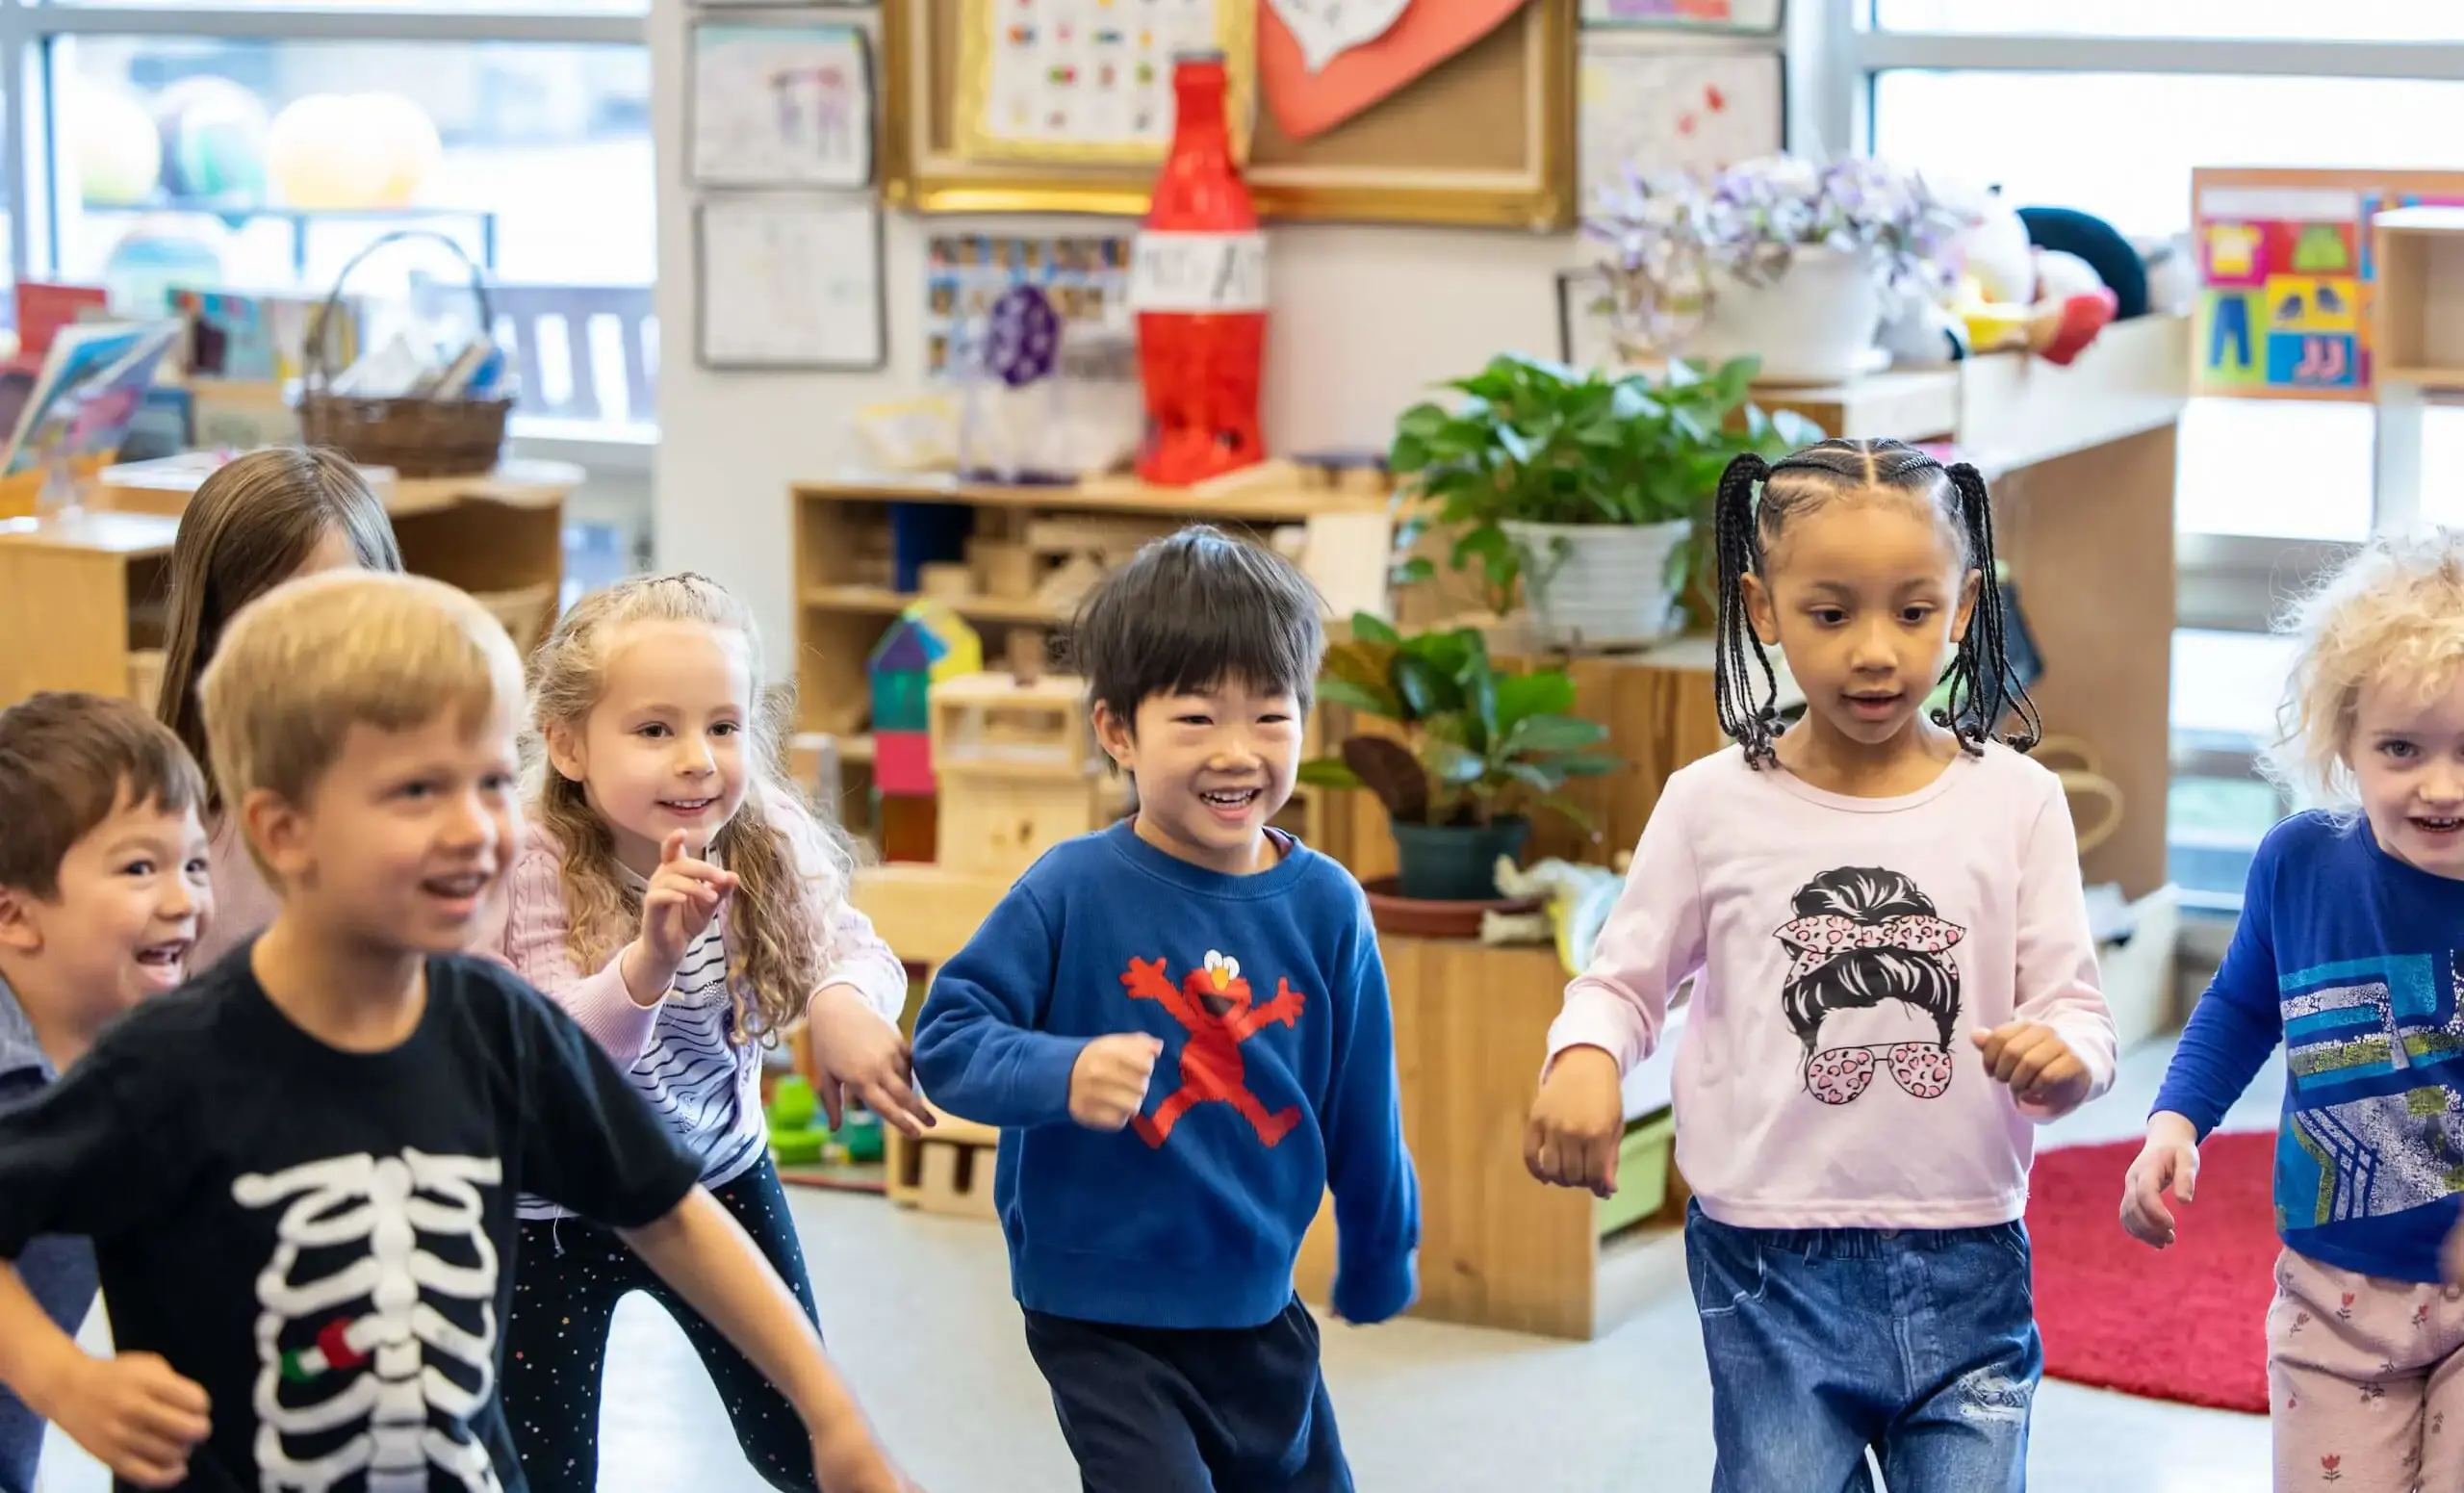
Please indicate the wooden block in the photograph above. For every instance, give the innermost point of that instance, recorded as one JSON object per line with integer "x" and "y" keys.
{"x": 1002, "y": 568}
{"x": 2418, "y": 311}
{"x": 997, "y": 723}
{"x": 999, "y": 825}
{"x": 946, "y": 1169}
{"x": 902, "y": 762}
{"x": 926, "y": 912}
{"x": 945, "y": 582}
{"x": 1115, "y": 538}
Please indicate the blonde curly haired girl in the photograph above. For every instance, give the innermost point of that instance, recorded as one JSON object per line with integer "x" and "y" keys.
{"x": 2350, "y": 952}
{"x": 680, "y": 899}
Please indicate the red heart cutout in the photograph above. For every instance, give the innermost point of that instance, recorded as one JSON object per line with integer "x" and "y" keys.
{"x": 1427, "y": 34}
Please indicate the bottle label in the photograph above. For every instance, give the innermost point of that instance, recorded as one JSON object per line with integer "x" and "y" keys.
{"x": 1198, "y": 271}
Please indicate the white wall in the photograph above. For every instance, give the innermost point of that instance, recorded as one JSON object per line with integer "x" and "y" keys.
{"x": 1363, "y": 320}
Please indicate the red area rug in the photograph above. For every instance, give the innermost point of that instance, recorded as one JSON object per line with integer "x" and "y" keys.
{"x": 2185, "y": 1324}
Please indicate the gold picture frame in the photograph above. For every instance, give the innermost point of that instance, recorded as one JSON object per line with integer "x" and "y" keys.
{"x": 1235, "y": 29}
{"x": 1485, "y": 139}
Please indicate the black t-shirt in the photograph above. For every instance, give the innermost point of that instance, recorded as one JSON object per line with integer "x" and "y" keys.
{"x": 322, "y": 1239}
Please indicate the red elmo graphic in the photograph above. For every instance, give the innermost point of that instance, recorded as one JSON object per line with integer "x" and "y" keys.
{"x": 1215, "y": 1004}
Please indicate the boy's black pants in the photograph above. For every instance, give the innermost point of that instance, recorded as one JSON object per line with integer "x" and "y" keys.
{"x": 1192, "y": 1411}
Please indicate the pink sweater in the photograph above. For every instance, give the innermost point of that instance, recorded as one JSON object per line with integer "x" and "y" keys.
{"x": 685, "y": 1055}
{"x": 244, "y": 905}
{"x": 1842, "y": 949}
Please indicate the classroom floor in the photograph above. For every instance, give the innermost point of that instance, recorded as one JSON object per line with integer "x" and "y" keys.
{"x": 920, "y": 1313}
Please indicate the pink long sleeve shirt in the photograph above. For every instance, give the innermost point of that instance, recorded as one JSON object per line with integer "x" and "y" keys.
{"x": 1842, "y": 950}
{"x": 686, "y": 1055}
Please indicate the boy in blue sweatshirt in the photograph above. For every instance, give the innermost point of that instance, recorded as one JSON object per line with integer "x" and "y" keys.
{"x": 1181, "y": 1025}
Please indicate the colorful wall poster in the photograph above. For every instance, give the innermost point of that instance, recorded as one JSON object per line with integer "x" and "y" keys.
{"x": 1644, "y": 106}
{"x": 2286, "y": 277}
{"x": 1091, "y": 80}
{"x": 781, "y": 106}
{"x": 1761, "y": 17}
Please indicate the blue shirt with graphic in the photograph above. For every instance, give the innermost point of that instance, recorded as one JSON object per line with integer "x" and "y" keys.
{"x": 59, "y": 1272}
{"x": 2354, "y": 961}
{"x": 1276, "y": 1081}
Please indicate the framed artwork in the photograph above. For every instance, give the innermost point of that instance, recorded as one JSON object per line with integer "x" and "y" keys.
{"x": 2286, "y": 276}
{"x": 1465, "y": 119}
{"x": 1090, "y": 80}
{"x": 1654, "y": 108}
{"x": 779, "y": 104}
{"x": 1757, "y": 17}
{"x": 789, "y": 282}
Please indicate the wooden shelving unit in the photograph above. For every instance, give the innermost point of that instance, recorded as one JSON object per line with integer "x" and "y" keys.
{"x": 81, "y": 590}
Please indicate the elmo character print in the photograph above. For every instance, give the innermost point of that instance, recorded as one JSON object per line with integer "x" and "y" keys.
{"x": 1868, "y": 940}
{"x": 1215, "y": 1005}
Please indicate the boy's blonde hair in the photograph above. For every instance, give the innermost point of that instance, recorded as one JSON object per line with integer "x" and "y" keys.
{"x": 302, "y": 664}
{"x": 2393, "y": 614}
{"x": 777, "y": 928}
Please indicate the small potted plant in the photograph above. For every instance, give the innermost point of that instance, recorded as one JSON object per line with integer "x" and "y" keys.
{"x": 1782, "y": 258}
{"x": 1479, "y": 753}
{"x": 1583, "y": 486}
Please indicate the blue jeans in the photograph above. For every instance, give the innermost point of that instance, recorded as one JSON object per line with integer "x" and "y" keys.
{"x": 1918, "y": 1343}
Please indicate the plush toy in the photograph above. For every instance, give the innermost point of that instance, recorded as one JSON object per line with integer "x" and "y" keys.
{"x": 2016, "y": 294}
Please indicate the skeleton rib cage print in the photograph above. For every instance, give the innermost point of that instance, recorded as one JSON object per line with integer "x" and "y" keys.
{"x": 376, "y": 1333}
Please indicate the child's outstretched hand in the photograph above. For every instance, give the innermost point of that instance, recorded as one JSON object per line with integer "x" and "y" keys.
{"x": 2169, "y": 1159}
{"x": 686, "y": 893}
{"x": 2039, "y": 1066}
{"x": 135, "y": 1415}
{"x": 856, "y": 1051}
{"x": 1578, "y": 1122}
{"x": 1108, "y": 1083}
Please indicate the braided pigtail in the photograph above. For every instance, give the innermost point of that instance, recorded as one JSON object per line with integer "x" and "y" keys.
{"x": 1984, "y": 685}
{"x": 1746, "y": 718}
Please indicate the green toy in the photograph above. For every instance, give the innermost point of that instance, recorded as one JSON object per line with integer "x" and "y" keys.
{"x": 796, "y": 1138}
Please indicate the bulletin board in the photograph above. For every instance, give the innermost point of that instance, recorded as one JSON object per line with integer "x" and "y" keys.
{"x": 2285, "y": 276}
{"x": 1485, "y": 138}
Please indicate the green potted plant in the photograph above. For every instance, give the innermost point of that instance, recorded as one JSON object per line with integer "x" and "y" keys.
{"x": 1481, "y": 751}
{"x": 1585, "y": 486}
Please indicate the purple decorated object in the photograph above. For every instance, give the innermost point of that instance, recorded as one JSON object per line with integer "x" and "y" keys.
{"x": 1021, "y": 336}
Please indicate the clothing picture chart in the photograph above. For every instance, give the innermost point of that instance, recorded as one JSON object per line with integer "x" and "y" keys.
{"x": 1649, "y": 109}
{"x": 789, "y": 283}
{"x": 2285, "y": 276}
{"x": 780, "y": 105}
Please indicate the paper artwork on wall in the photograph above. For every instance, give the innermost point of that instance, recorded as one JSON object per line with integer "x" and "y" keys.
{"x": 781, "y": 106}
{"x": 1085, "y": 279}
{"x": 789, "y": 282}
{"x": 1326, "y": 29}
{"x": 1310, "y": 98}
{"x": 1759, "y": 16}
{"x": 1091, "y": 80}
{"x": 1657, "y": 110}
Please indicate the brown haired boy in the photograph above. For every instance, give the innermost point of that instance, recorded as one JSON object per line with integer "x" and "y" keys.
{"x": 299, "y": 1172}
{"x": 103, "y": 891}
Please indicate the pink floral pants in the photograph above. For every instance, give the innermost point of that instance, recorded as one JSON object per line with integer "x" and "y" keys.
{"x": 2364, "y": 1382}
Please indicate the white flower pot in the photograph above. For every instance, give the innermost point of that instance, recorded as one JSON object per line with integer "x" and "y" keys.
{"x": 1816, "y": 323}
{"x": 1601, "y": 584}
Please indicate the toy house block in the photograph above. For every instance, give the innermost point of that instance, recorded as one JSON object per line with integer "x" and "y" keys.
{"x": 946, "y": 1169}
{"x": 903, "y": 763}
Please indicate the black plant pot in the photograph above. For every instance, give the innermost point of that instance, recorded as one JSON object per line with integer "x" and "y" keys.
{"x": 1446, "y": 863}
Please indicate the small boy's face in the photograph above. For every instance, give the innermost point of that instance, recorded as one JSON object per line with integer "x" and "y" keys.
{"x": 404, "y": 837}
{"x": 1211, "y": 769}
{"x": 133, "y": 896}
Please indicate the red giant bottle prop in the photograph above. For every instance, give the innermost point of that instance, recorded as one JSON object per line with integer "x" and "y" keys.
{"x": 1199, "y": 282}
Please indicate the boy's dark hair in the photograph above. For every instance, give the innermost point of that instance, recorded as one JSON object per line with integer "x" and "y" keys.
{"x": 67, "y": 759}
{"x": 1191, "y": 611}
{"x": 1984, "y": 685}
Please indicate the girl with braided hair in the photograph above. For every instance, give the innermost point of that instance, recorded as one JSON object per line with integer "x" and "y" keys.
{"x": 1880, "y": 912}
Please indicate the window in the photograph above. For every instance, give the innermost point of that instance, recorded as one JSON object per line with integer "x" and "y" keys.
{"x": 2107, "y": 105}
{"x": 264, "y": 143}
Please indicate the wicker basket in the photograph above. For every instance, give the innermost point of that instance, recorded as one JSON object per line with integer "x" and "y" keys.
{"x": 416, "y": 437}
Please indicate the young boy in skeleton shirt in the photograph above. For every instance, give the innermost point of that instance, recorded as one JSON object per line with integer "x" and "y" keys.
{"x": 299, "y": 1172}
